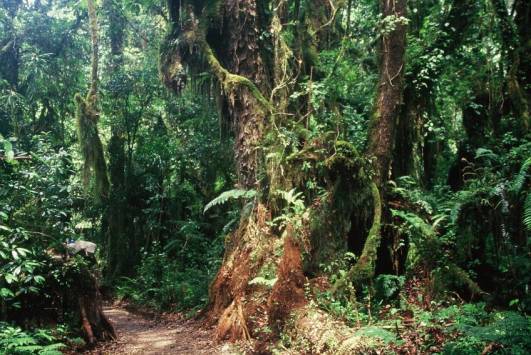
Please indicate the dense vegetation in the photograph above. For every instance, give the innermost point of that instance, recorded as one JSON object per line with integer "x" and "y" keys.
{"x": 314, "y": 176}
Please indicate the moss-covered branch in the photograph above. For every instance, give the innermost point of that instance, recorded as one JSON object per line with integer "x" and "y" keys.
{"x": 230, "y": 81}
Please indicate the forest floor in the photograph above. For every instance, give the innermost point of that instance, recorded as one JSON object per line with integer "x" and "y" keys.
{"x": 169, "y": 334}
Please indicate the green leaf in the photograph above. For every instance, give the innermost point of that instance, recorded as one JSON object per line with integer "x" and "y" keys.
{"x": 39, "y": 279}
{"x": 6, "y": 293}
{"x": 5, "y": 228}
{"x": 10, "y": 278}
{"x": 23, "y": 251}
{"x": 526, "y": 218}
{"x": 227, "y": 195}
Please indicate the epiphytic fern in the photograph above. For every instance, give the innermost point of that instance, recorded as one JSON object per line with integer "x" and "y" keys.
{"x": 228, "y": 195}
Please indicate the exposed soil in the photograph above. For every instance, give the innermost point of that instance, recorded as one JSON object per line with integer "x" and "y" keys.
{"x": 164, "y": 335}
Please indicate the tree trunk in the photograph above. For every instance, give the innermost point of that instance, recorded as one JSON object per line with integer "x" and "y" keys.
{"x": 413, "y": 154}
{"x": 390, "y": 90}
{"x": 514, "y": 47}
{"x": 243, "y": 58}
{"x": 262, "y": 282}
{"x": 87, "y": 121}
{"x": 382, "y": 133}
{"x": 94, "y": 323}
{"x": 118, "y": 261}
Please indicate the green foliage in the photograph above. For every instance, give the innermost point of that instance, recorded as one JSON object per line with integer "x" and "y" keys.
{"x": 388, "y": 287}
{"x": 172, "y": 158}
{"x": 293, "y": 211}
{"x": 521, "y": 177}
{"x": 234, "y": 194}
{"x": 477, "y": 328}
{"x": 33, "y": 218}
{"x": 8, "y": 154}
{"x": 167, "y": 283}
{"x": 342, "y": 304}
{"x": 527, "y": 212}
{"x": 375, "y": 332}
{"x": 15, "y": 341}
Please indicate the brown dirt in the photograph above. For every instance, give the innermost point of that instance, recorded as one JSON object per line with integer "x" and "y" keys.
{"x": 167, "y": 335}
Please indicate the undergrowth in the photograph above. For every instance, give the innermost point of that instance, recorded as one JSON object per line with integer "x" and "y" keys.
{"x": 43, "y": 341}
{"x": 166, "y": 283}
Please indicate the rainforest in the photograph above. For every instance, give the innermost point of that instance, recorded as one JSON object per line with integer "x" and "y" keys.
{"x": 265, "y": 177}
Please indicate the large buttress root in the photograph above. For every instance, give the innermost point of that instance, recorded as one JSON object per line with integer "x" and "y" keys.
{"x": 288, "y": 292}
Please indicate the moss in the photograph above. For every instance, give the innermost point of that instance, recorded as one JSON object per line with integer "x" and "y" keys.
{"x": 91, "y": 147}
{"x": 87, "y": 119}
{"x": 171, "y": 70}
{"x": 364, "y": 268}
{"x": 453, "y": 275}
{"x": 230, "y": 81}
{"x": 345, "y": 156}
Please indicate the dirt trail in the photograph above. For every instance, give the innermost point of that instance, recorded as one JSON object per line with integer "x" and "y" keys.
{"x": 139, "y": 335}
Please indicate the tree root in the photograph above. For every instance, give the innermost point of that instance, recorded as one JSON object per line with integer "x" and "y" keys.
{"x": 363, "y": 270}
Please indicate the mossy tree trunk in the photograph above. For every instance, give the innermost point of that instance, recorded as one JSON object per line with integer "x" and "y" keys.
{"x": 262, "y": 284}
{"x": 116, "y": 211}
{"x": 94, "y": 322}
{"x": 382, "y": 132}
{"x": 94, "y": 164}
{"x": 415, "y": 149}
{"x": 390, "y": 90}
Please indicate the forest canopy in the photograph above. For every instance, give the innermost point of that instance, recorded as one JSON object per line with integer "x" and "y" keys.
{"x": 302, "y": 177}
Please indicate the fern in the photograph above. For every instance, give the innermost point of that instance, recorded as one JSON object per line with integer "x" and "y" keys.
{"x": 20, "y": 340}
{"x": 13, "y": 340}
{"x": 416, "y": 223}
{"x": 526, "y": 217}
{"x": 486, "y": 153}
{"x": 293, "y": 199}
{"x": 520, "y": 179}
{"x": 228, "y": 195}
{"x": 31, "y": 349}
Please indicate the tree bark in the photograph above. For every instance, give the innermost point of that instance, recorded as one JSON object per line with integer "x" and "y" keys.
{"x": 382, "y": 133}
{"x": 94, "y": 323}
{"x": 390, "y": 90}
